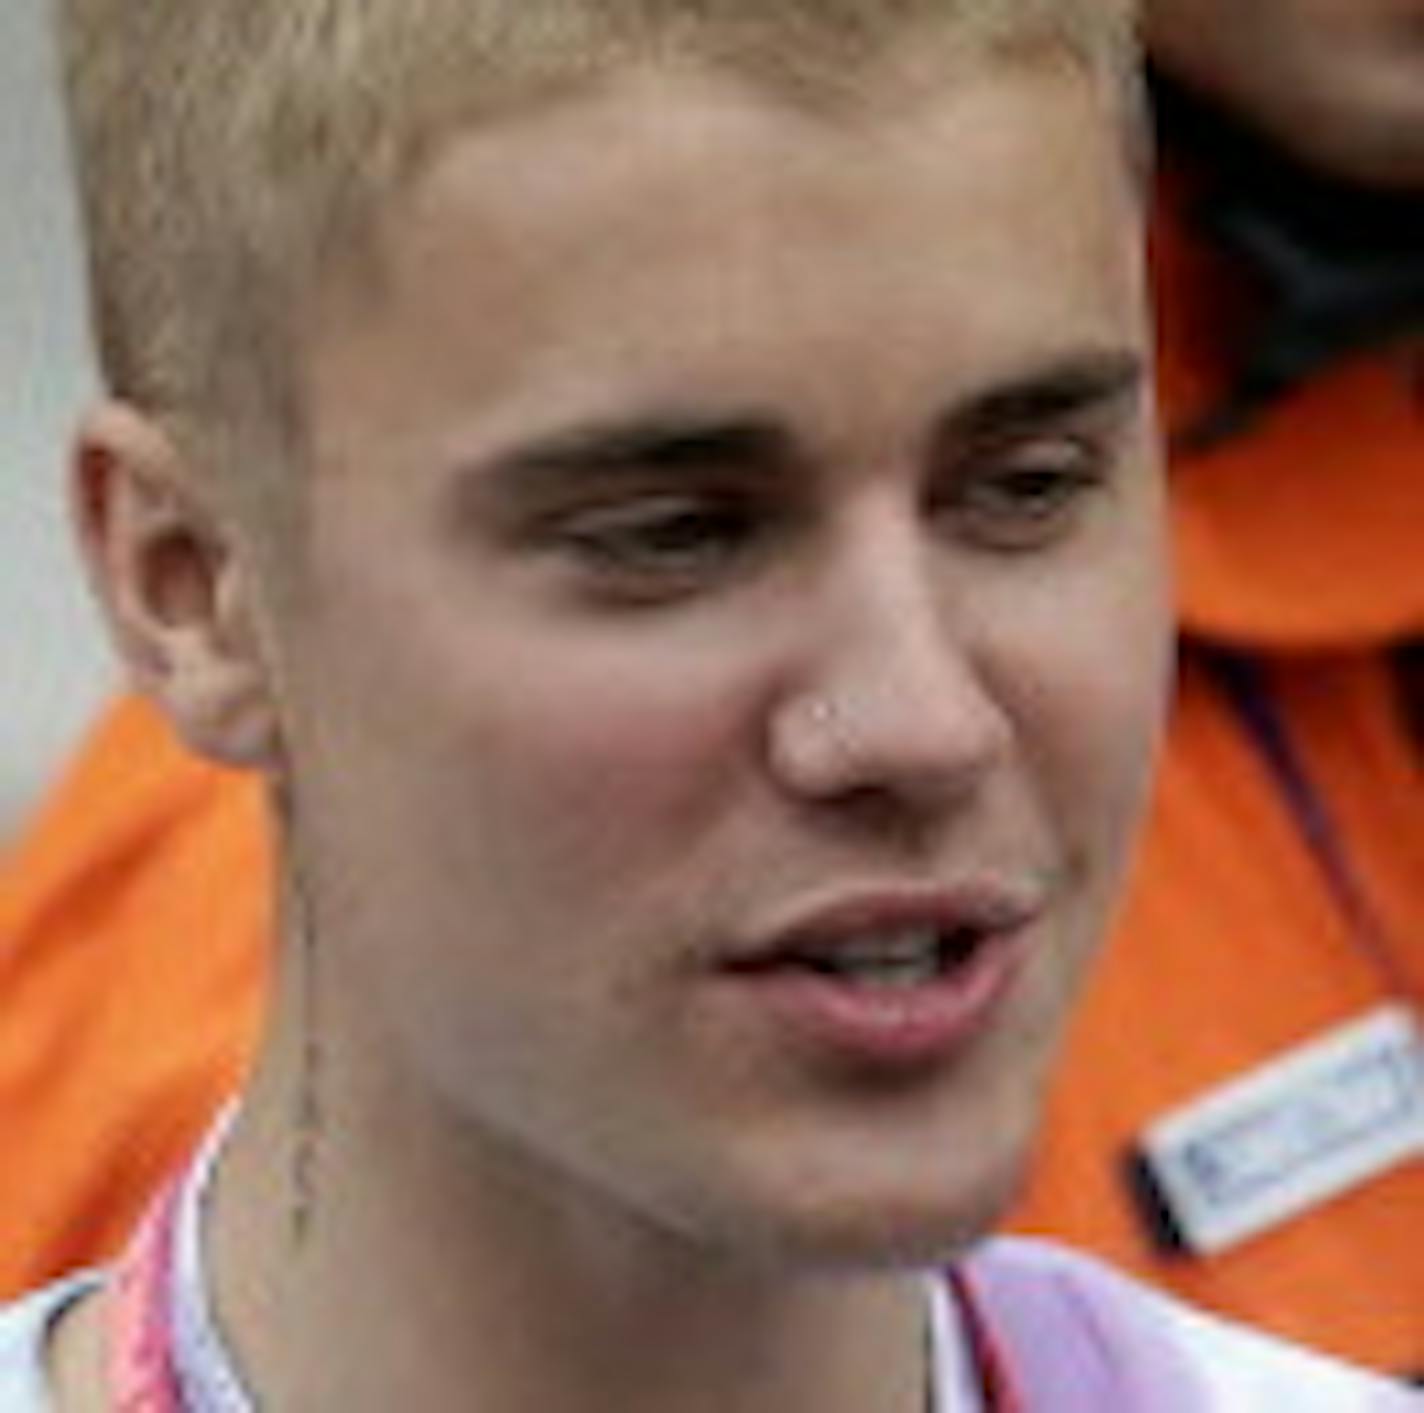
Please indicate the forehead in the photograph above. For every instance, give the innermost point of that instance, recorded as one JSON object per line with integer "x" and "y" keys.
{"x": 678, "y": 231}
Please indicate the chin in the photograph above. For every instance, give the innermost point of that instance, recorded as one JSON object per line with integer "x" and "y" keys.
{"x": 879, "y": 1216}
{"x": 909, "y": 1189}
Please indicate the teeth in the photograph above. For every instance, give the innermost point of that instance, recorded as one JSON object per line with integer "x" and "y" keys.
{"x": 904, "y": 959}
{"x": 907, "y": 973}
{"x": 889, "y": 948}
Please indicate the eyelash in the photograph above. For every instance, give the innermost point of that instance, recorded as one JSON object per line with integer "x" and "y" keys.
{"x": 659, "y": 546}
{"x": 1025, "y": 498}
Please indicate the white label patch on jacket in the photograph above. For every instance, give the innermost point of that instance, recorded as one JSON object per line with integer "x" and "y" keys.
{"x": 1292, "y": 1133}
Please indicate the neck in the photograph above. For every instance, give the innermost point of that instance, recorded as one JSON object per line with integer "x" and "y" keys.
{"x": 374, "y": 1251}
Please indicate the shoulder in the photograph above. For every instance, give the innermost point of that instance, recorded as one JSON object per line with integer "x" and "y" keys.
{"x": 23, "y": 1329}
{"x": 1059, "y": 1315}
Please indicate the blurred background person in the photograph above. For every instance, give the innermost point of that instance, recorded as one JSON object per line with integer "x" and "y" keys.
{"x": 1280, "y": 894}
{"x": 1280, "y": 897}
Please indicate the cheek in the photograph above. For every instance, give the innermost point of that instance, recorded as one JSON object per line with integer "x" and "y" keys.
{"x": 1090, "y": 711}
{"x": 1090, "y": 701}
{"x": 587, "y": 769}
{"x": 523, "y": 761}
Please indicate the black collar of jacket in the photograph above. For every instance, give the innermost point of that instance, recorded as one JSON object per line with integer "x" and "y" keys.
{"x": 1337, "y": 269}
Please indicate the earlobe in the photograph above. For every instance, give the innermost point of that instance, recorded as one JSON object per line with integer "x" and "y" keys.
{"x": 169, "y": 569}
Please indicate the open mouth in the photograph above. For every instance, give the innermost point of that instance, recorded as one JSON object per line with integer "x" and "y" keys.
{"x": 889, "y": 959}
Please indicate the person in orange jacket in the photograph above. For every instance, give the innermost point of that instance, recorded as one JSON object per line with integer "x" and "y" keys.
{"x": 1280, "y": 894}
{"x": 1257, "y": 1015}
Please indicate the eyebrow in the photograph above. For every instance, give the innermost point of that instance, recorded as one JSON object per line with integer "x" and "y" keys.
{"x": 663, "y": 442}
{"x": 1073, "y": 386}
{"x": 672, "y": 442}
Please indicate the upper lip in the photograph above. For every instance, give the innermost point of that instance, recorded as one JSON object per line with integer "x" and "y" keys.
{"x": 983, "y": 907}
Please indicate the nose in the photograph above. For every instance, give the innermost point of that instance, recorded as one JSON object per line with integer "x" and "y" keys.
{"x": 893, "y": 703}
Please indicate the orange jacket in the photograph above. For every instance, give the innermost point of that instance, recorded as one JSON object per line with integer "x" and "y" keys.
{"x": 133, "y": 919}
{"x": 134, "y": 913}
{"x": 1300, "y": 543}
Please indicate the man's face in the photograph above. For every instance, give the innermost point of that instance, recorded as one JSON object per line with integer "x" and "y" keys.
{"x": 1340, "y": 83}
{"x": 731, "y": 641}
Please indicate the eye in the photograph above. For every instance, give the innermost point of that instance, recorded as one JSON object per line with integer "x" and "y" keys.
{"x": 661, "y": 544}
{"x": 1026, "y": 497}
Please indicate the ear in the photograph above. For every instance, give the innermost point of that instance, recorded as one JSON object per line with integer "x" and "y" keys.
{"x": 176, "y": 588}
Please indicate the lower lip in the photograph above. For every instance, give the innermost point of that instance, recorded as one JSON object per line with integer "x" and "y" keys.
{"x": 891, "y": 1027}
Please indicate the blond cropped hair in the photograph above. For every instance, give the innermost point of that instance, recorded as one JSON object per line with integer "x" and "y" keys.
{"x": 231, "y": 152}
